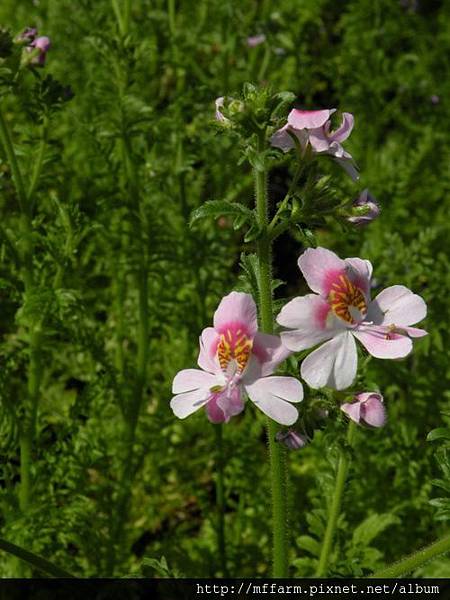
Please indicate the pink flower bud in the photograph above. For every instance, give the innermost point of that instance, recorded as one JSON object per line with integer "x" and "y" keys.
{"x": 28, "y": 35}
{"x": 291, "y": 439}
{"x": 365, "y": 209}
{"x": 367, "y": 409}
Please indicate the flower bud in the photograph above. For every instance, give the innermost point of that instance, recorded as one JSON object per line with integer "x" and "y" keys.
{"x": 364, "y": 209}
{"x": 366, "y": 409}
{"x": 27, "y": 36}
{"x": 291, "y": 439}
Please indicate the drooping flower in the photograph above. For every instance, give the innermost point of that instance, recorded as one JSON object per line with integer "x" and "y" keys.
{"x": 291, "y": 439}
{"x": 365, "y": 209}
{"x": 341, "y": 310}
{"x": 314, "y": 127}
{"x": 235, "y": 359}
{"x": 43, "y": 45}
{"x": 367, "y": 408}
{"x": 256, "y": 40}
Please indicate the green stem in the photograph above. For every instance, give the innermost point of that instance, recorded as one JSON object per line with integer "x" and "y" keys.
{"x": 220, "y": 501}
{"x": 278, "y": 483}
{"x": 414, "y": 561}
{"x": 172, "y": 17}
{"x": 37, "y": 165}
{"x": 341, "y": 476}
{"x": 34, "y": 560}
{"x": 5, "y": 138}
{"x": 27, "y": 432}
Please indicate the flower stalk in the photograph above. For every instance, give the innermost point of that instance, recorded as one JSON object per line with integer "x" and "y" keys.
{"x": 277, "y": 468}
{"x": 28, "y": 427}
{"x": 220, "y": 500}
{"x": 414, "y": 561}
{"x": 335, "y": 508}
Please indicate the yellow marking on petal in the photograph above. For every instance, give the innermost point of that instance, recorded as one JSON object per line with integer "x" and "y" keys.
{"x": 234, "y": 348}
{"x": 343, "y": 295}
{"x": 215, "y": 389}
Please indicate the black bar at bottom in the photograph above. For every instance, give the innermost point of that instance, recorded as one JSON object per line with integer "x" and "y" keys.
{"x": 226, "y": 589}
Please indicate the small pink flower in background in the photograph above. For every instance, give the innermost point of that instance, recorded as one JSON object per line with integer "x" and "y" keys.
{"x": 366, "y": 209}
{"x": 256, "y": 40}
{"x": 28, "y": 35}
{"x": 219, "y": 105}
{"x": 235, "y": 359}
{"x": 341, "y": 310}
{"x": 367, "y": 409}
{"x": 291, "y": 439}
{"x": 314, "y": 127}
{"x": 43, "y": 44}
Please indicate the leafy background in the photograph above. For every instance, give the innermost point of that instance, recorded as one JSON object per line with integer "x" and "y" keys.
{"x": 383, "y": 60}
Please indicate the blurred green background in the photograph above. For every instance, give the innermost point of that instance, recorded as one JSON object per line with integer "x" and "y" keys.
{"x": 151, "y": 91}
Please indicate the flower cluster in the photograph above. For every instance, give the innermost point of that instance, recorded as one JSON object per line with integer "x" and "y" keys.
{"x": 238, "y": 361}
{"x": 36, "y": 46}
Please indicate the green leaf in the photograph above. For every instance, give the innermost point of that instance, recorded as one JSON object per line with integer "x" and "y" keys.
{"x": 373, "y": 526}
{"x": 218, "y": 208}
{"x": 310, "y": 544}
{"x": 441, "y": 433}
{"x": 253, "y": 233}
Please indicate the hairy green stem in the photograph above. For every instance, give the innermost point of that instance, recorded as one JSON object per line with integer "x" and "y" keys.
{"x": 220, "y": 500}
{"x": 37, "y": 169}
{"x": 34, "y": 560}
{"x": 415, "y": 560}
{"x": 5, "y": 138}
{"x": 277, "y": 470}
{"x": 333, "y": 515}
{"x": 28, "y": 427}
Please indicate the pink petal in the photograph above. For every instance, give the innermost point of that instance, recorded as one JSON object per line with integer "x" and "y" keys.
{"x": 213, "y": 412}
{"x": 309, "y": 119}
{"x": 373, "y": 412}
{"x": 208, "y": 348}
{"x": 273, "y": 396}
{"x": 236, "y": 309}
{"x": 311, "y": 320}
{"x": 359, "y": 272}
{"x": 270, "y": 352}
{"x": 283, "y": 138}
{"x": 352, "y": 410}
{"x": 231, "y": 403}
{"x": 192, "y": 379}
{"x": 380, "y": 346}
{"x": 185, "y": 404}
{"x": 397, "y": 305}
{"x": 224, "y": 405}
{"x": 413, "y": 332}
{"x": 319, "y": 140}
{"x": 345, "y": 129}
{"x": 321, "y": 268}
{"x": 333, "y": 364}
{"x": 349, "y": 166}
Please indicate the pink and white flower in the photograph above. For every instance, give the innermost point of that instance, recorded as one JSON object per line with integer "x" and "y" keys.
{"x": 43, "y": 45}
{"x": 314, "y": 127}
{"x": 235, "y": 359}
{"x": 341, "y": 310}
{"x": 366, "y": 409}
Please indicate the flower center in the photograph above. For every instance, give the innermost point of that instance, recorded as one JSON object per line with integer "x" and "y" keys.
{"x": 347, "y": 301}
{"x": 234, "y": 350}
